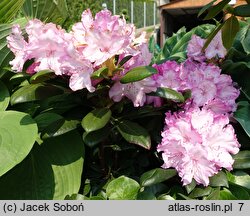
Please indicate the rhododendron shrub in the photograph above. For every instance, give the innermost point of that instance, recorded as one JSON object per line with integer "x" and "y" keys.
{"x": 101, "y": 112}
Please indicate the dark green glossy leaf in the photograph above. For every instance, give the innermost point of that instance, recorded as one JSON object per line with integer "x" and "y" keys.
{"x": 138, "y": 73}
{"x": 68, "y": 125}
{"x": 9, "y": 9}
{"x": 226, "y": 194}
{"x": 239, "y": 192}
{"x": 42, "y": 76}
{"x": 241, "y": 178}
{"x": 134, "y": 133}
{"x": 96, "y": 119}
{"x": 200, "y": 192}
{"x": 245, "y": 39}
{"x": 146, "y": 195}
{"x": 93, "y": 138}
{"x": 4, "y": 97}
{"x": 156, "y": 176}
{"x": 124, "y": 60}
{"x": 242, "y": 115}
{"x": 122, "y": 188}
{"x": 52, "y": 170}
{"x": 242, "y": 160}
{"x": 207, "y": 6}
{"x": 18, "y": 78}
{"x": 34, "y": 92}
{"x": 18, "y": 133}
{"x": 242, "y": 10}
{"x": 168, "y": 94}
{"x": 49, "y": 122}
{"x": 190, "y": 186}
{"x": 216, "y": 9}
{"x": 220, "y": 179}
{"x": 215, "y": 194}
{"x": 229, "y": 31}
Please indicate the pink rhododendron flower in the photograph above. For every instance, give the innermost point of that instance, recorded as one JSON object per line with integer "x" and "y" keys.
{"x": 194, "y": 48}
{"x": 168, "y": 75}
{"x": 18, "y": 46}
{"x": 135, "y": 91}
{"x": 102, "y": 37}
{"x": 198, "y": 143}
{"x": 216, "y": 48}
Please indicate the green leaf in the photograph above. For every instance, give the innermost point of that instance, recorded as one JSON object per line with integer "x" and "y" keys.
{"x": 93, "y": 138}
{"x": 99, "y": 73}
{"x": 200, "y": 192}
{"x": 49, "y": 122}
{"x": 168, "y": 94}
{"x": 239, "y": 192}
{"x": 229, "y": 31}
{"x": 4, "y": 97}
{"x": 96, "y": 119}
{"x": 134, "y": 133}
{"x": 122, "y": 188}
{"x": 242, "y": 10}
{"x": 215, "y": 194}
{"x": 156, "y": 176}
{"x": 242, "y": 179}
{"x": 42, "y": 76}
{"x": 9, "y": 9}
{"x": 34, "y": 92}
{"x": 242, "y": 115}
{"x": 226, "y": 194}
{"x": 46, "y": 10}
{"x": 220, "y": 179}
{"x": 5, "y": 54}
{"x": 18, "y": 132}
{"x": 242, "y": 160}
{"x": 165, "y": 197}
{"x": 216, "y": 9}
{"x": 18, "y": 78}
{"x": 124, "y": 60}
{"x": 138, "y": 73}
{"x": 68, "y": 125}
{"x": 245, "y": 39}
{"x": 207, "y": 6}
{"x": 190, "y": 186}
{"x": 52, "y": 170}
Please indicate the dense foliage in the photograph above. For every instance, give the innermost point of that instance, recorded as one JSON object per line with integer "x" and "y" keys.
{"x": 80, "y": 122}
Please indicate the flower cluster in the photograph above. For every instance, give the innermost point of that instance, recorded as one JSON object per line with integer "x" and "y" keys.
{"x": 91, "y": 44}
{"x": 198, "y": 143}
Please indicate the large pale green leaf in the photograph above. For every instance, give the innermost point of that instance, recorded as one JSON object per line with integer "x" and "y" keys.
{"x": 226, "y": 194}
{"x": 242, "y": 179}
{"x": 134, "y": 133}
{"x": 138, "y": 73}
{"x": 18, "y": 132}
{"x": 34, "y": 92}
{"x": 96, "y": 119}
{"x": 55, "y": 11}
{"x": 242, "y": 115}
{"x": 9, "y": 9}
{"x": 5, "y": 53}
{"x": 4, "y": 97}
{"x": 156, "y": 176}
{"x": 122, "y": 188}
{"x": 51, "y": 171}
